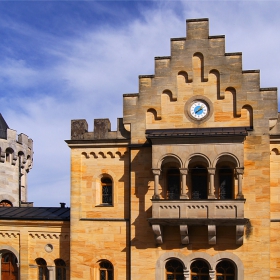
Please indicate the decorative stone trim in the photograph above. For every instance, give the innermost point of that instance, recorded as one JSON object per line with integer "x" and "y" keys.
{"x": 184, "y": 234}
{"x": 212, "y": 234}
{"x": 48, "y": 236}
{"x": 158, "y": 233}
{"x": 9, "y": 234}
{"x": 239, "y": 234}
{"x": 187, "y": 260}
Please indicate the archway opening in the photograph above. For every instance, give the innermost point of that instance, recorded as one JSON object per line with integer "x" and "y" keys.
{"x": 174, "y": 270}
{"x": 9, "y": 267}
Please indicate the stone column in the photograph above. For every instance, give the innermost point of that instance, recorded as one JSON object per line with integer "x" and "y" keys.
{"x": 51, "y": 270}
{"x": 186, "y": 274}
{"x": 156, "y": 173}
{"x": 212, "y": 274}
{"x": 211, "y": 172}
{"x": 184, "y": 173}
{"x": 239, "y": 172}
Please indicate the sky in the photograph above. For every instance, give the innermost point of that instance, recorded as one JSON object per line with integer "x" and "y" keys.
{"x": 63, "y": 60}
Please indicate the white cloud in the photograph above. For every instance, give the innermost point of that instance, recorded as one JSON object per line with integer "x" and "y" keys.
{"x": 84, "y": 76}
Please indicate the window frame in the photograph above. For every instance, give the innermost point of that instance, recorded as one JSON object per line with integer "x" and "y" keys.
{"x": 108, "y": 269}
{"x": 43, "y": 272}
{"x": 103, "y": 185}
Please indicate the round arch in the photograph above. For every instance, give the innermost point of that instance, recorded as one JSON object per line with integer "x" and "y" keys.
{"x": 232, "y": 258}
{"x": 227, "y": 157}
{"x": 197, "y": 158}
{"x": 6, "y": 248}
{"x": 170, "y": 158}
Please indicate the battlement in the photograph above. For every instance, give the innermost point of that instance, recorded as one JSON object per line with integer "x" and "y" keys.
{"x": 102, "y": 130}
{"x": 14, "y": 146}
{"x": 16, "y": 160}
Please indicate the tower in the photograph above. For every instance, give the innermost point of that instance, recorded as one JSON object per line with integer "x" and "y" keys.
{"x": 16, "y": 159}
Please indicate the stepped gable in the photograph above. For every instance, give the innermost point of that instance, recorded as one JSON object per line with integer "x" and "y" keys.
{"x": 199, "y": 69}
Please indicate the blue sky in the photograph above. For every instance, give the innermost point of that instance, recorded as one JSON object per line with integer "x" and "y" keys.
{"x": 63, "y": 60}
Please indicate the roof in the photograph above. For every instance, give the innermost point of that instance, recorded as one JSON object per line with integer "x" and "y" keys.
{"x": 3, "y": 127}
{"x": 35, "y": 213}
{"x": 198, "y": 132}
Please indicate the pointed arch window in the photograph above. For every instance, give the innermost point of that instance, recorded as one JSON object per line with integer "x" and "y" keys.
{"x": 174, "y": 270}
{"x": 106, "y": 270}
{"x": 225, "y": 270}
{"x": 199, "y": 270}
{"x": 173, "y": 183}
{"x": 107, "y": 191}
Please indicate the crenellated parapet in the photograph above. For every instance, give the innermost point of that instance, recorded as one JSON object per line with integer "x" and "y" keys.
{"x": 15, "y": 146}
{"x": 16, "y": 160}
{"x": 102, "y": 130}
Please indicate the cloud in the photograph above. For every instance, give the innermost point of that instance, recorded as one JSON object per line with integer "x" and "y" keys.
{"x": 49, "y": 76}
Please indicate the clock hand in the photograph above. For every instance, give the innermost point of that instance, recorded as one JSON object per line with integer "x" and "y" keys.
{"x": 200, "y": 108}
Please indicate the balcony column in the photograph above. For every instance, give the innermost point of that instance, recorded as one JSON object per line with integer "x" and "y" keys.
{"x": 156, "y": 173}
{"x": 240, "y": 172}
{"x": 211, "y": 172}
{"x": 184, "y": 173}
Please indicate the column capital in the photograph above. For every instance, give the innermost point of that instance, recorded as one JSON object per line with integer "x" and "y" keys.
{"x": 239, "y": 170}
{"x": 212, "y": 274}
{"x": 156, "y": 171}
{"x": 184, "y": 171}
{"x": 211, "y": 170}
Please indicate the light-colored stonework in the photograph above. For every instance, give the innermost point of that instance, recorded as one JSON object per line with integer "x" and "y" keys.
{"x": 145, "y": 226}
{"x": 16, "y": 160}
{"x": 30, "y": 240}
{"x": 191, "y": 174}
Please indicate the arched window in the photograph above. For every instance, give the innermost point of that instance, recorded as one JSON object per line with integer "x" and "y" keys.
{"x": 106, "y": 270}
{"x": 173, "y": 183}
{"x": 226, "y": 183}
{"x": 9, "y": 153}
{"x": 199, "y": 178}
{"x": 9, "y": 269}
{"x": 225, "y": 271}
{"x": 174, "y": 270}
{"x": 60, "y": 269}
{"x": 107, "y": 191}
{"x": 199, "y": 270}
{"x": 43, "y": 272}
{"x": 6, "y": 203}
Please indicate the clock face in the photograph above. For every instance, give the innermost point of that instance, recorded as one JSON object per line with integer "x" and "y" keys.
{"x": 199, "y": 110}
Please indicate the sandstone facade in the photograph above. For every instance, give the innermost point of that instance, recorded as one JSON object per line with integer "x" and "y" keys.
{"x": 193, "y": 173}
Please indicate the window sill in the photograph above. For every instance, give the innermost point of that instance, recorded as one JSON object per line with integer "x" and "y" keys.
{"x": 104, "y": 205}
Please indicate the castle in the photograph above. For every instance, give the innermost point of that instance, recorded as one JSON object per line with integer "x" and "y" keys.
{"x": 186, "y": 188}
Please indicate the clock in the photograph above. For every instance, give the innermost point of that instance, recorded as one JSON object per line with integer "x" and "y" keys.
{"x": 199, "y": 109}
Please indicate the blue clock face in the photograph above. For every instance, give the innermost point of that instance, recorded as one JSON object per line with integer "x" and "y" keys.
{"x": 199, "y": 110}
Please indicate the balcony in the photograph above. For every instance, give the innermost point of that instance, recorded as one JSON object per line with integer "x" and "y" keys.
{"x": 185, "y": 212}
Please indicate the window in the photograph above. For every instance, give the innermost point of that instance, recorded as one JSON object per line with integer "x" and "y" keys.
{"x": 225, "y": 183}
{"x": 225, "y": 271}
{"x": 106, "y": 270}
{"x": 43, "y": 273}
{"x": 107, "y": 191}
{"x": 9, "y": 269}
{"x": 60, "y": 269}
{"x": 199, "y": 178}
{"x": 199, "y": 270}
{"x": 173, "y": 183}
{"x": 9, "y": 153}
{"x": 174, "y": 270}
{"x": 6, "y": 203}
